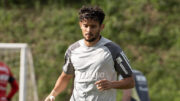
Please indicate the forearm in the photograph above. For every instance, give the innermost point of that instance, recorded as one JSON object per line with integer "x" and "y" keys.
{"x": 125, "y": 83}
{"x": 14, "y": 89}
{"x": 60, "y": 85}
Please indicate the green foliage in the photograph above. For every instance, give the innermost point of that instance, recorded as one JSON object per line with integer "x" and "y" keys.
{"x": 147, "y": 30}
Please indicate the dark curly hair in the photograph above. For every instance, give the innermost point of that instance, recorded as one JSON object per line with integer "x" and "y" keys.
{"x": 91, "y": 12}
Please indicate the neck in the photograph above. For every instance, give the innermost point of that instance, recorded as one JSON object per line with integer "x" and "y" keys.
{"x": 89, "y": 44}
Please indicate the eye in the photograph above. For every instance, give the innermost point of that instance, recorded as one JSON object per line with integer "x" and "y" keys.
{"x": 85, "y": 26}
{"x": 93, "y": 26}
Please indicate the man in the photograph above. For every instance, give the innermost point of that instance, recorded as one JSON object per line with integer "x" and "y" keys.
{"x": 140, "y": 92}
{"x": 94, "y": 62}
{"x": 5, "y": 78}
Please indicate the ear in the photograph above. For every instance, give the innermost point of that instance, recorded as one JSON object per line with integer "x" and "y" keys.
{"x": 102, "y": 27}
{"x": 80, "y": 24}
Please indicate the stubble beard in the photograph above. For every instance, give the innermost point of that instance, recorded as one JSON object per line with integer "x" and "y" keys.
{"x": 94, "y": 38}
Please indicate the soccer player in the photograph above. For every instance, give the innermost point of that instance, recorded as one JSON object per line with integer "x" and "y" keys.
{"x": 5, "y": 78}
{"x": 94, "y": 61}
{"x": 140, "y": 92}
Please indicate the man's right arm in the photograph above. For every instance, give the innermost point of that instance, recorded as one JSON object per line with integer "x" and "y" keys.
{"x": 60, "y": 86}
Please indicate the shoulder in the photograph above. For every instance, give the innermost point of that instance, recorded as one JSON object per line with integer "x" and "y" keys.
{"x": 4, "y": 68}
{"x": 112, "y": 46}
{"x": 73, "y": 47}
{"x": 1, "y": 63}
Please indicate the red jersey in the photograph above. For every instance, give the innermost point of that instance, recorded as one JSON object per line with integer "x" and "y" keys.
{"x": 5, "y": 78}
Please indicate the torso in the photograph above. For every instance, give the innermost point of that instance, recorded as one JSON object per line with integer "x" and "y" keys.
{"x": 92, "y": 64}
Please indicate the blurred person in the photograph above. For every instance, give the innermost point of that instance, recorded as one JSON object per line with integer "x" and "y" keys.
{"x": 6, "y": 77}
{"x": 94, "y": 62}
{"x": 140, "y": 91}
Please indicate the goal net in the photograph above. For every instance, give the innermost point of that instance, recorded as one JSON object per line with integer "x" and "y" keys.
{"x": 19, "y": 58}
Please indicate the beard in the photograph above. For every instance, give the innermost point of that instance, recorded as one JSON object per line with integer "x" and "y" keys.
{"x": 93, "y": 37}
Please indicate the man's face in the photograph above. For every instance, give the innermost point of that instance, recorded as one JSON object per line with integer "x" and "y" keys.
{"x": 90, "y": 29}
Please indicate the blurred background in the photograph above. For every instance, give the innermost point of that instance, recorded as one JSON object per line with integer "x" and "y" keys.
{"x": 147, "y": 30}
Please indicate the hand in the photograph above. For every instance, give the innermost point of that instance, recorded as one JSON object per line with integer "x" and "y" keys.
{"x": 50, "y": 98}
{"x": 103, "y": 84}
{"x": 8, "y": 99}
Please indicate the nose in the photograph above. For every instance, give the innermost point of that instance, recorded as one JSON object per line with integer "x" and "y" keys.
{"x": 88, "y": 29}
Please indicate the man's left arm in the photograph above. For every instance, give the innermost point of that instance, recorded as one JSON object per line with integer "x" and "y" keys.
{"x": 125, "y": 83}
{"x": 122, "y": 66}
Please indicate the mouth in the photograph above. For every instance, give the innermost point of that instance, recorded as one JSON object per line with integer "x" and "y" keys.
{"x": 88, "y": 34}
{"x": 89, "y": 37}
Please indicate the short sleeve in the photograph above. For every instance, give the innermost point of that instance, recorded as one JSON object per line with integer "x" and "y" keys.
{"x": 68, "y": 67}
{"x": 121, "y": 63}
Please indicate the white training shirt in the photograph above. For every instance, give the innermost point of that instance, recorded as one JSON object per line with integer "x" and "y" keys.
{"x": 90, "y": 64}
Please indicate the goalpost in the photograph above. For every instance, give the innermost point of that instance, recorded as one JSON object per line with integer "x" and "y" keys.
{"x": 26, "y": 76}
